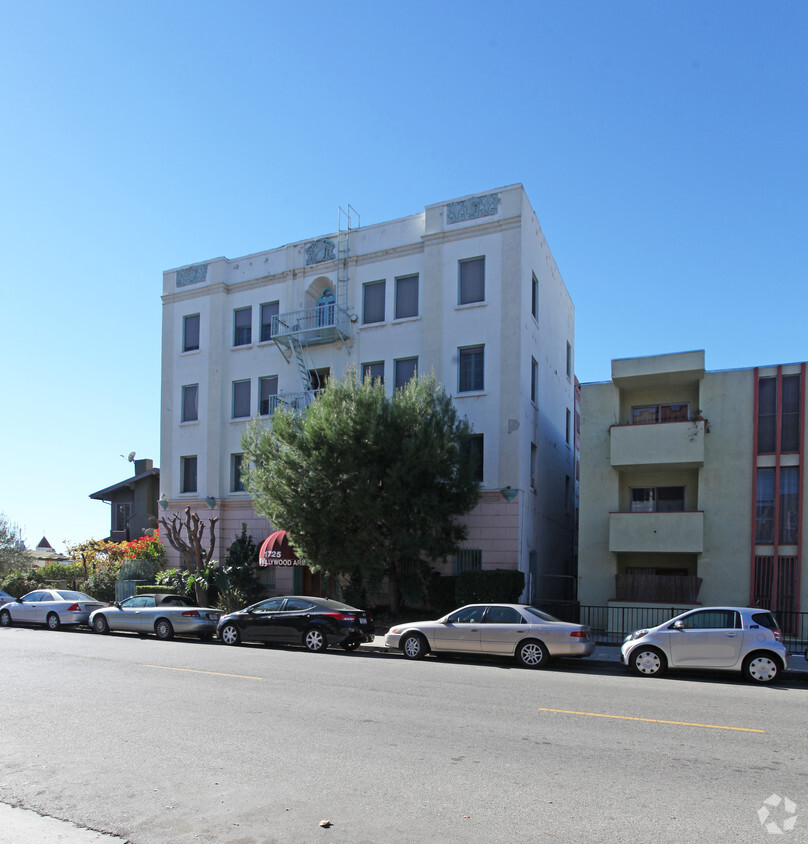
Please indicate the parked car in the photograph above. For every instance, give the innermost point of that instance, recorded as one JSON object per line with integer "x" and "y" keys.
{"x": 741, "y": 639}
{"x": 163, "y": 615}
{"x": 51, "y": 607}
{"x": 5, "y": 598}
{"x": 314, "y": 623}
{"x": 526, "y": 633}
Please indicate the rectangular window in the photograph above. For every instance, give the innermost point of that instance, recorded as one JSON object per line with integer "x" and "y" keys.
{"x": 534, "y": 452}
{"x": 474, "y": 448}
{"x": 242, "y": 326}
{"x": 406, "y": 296}
{"x": 405, "y": 369}
{"x": 373, "y": 371}
{"x": 241, "y": 399}
{"x": 764, "y": 506}
{"x": 188, "y": 474}
{"x": 236, "y": 480}
{"x": 267, "y": 395}
{"x": 534, "y": 297}
{"x": 568, "y": 427}
{"x": 653, "y": 413}
{"x": 468, "y": 559}
{"x": 123, "y": 512}
{"x": 373, "y": 302}
{"x": 767, "y": 415}
{"x": 471, "y": 363}
{"x": 471, "y": 281}
{"x": 569, "y": 361}
{"x": 190, "y": 403}
{"x": 190, "y": 333}
{"x": 534, "y": 381}
{"x": 268, "y": 310}
{"x": 790, "y": 422}
{"x": 789, "y": 503}
{"x": 660, "y": 499}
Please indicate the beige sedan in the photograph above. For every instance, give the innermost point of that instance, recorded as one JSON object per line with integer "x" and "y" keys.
{"x": 526, "y": 633}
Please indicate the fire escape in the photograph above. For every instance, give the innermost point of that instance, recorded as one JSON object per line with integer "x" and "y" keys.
{"x": 295, "y": 332}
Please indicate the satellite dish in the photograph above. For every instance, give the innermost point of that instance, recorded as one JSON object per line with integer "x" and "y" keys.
{"x": 131, "y": 456}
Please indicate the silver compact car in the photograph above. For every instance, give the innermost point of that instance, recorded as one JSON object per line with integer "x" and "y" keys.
{"x": 51, "y": 607}
{"x": 744, "y": 639}
{"x": 526, "y": 633}
{"x": 163, "y": 615}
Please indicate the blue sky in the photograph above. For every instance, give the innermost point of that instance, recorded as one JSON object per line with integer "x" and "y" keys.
{"x": 662, "y": 145}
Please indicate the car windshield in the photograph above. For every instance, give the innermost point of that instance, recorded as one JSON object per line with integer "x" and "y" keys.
{"x": 73, "y": 596}
{"x": 544, "y": 616}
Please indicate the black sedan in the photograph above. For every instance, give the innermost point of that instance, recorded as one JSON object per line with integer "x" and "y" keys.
{"x": 314, "y": 623}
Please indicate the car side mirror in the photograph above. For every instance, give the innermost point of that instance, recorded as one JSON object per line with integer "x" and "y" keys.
{"x": 18, "y": 600}
{"x": 118, "y": 605}
{"x": 678, "y": 625}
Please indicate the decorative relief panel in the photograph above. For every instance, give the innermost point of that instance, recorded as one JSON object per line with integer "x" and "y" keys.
{"x": 192, "y": 275}
{"x": 471, "y": 209}
{"x": 319, "y": 251}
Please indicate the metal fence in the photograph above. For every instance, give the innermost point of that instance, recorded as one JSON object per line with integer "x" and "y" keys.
{"x": 610, "y": 625}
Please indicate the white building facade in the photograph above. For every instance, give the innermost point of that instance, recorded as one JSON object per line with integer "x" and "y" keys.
{"x": 467, "y": 290}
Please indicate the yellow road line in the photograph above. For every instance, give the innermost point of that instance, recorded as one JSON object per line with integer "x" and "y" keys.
{"x": 196, "y": 671}
{"x": 652, "y": 720}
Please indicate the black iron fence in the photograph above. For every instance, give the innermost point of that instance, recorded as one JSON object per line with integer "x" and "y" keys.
{"x": 610, "y": 625}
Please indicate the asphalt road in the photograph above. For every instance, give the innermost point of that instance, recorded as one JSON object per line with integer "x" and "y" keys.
{"x": 196, "y": 742}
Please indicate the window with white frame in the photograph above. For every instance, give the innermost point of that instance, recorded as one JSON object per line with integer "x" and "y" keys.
{"x": 405, "y": 369}
{"x": 406, "y": 296}
{"x": 373, "y": 302}
{"x": 188, "y": 473}
{"x": 190, "y": 333}
{"x": 373, "y": 371}
{"x": 651, "y": 413}
{"x": 241, "y": 399}
{"x": 242, "y": 326}
{"x": 267, "y": 395}
{"x": 471, "y": 281}
{"x": 471, "y": 365}
{"x": 236, "y": 478}
{"x": 657, "y": 499}
{"x": 268, "y": 310}
{"x": 190, "y": 403}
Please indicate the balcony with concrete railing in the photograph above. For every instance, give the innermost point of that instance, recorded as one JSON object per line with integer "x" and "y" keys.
{"x": 678, "y": 444}
{"x": 657, "y": 533}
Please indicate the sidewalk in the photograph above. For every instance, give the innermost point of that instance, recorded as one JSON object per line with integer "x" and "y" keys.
{"x": 22, "y": 826}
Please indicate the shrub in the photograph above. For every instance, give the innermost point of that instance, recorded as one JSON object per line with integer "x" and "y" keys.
{"x": 151, "y": 589}
{"x": 495, "y": 586}
{"x": 19, "y": 583}
{"x": 101, "y": 583}
{"x": 441, "y": 593}
{"x": 176, "y": 581}
{"x": 144, "y": 570}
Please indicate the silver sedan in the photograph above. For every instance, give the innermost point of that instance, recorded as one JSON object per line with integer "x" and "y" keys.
{"x": 529, "y": 634}
{"x": 51, "y": 607}
{"x": 163, "y": 615}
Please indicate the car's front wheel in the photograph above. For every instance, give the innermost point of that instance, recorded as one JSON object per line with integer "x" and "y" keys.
{"x": 414, "y": 646}
{"x": 315, "y": 640}
{"x": 5, "y": 619}
{"x": 761, "y": 667}
{"x": 163, "y": 629}
{"x": 100, "y": 624}
{"x": 230, "y": 634}
{"x": 52, "y": 621}
{"x": 532, "y": 654}
{"x": 648, "y": 662}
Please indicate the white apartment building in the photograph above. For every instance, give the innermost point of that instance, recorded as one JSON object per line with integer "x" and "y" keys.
{"x": 692, "y": 487}
{"x": 467, "y": 290}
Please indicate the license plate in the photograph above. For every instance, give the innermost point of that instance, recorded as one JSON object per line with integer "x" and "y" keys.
{"x": 212, "y": 616}
{"x": 363, "y": 621}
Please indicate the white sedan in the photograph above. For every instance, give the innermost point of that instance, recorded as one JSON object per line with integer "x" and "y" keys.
{"x": 529, "y": 634}
{"x": 51, "y": 607}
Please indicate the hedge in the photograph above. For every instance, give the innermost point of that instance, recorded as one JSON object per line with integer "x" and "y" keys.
{"x": 152, "y": 589}
{"x": 503, "y": 586}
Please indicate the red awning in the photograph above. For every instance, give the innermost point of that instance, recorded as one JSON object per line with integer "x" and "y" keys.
{"x": 276, "y": 551}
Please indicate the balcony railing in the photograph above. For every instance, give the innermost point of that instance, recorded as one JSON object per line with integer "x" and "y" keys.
{"x": 322, "y": 324}
{"x": 291, "y": 401}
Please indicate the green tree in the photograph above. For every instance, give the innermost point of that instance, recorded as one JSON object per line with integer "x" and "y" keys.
{"x": 12, "y": 558}
{"x": 236, "y": 579}
{"x": 365, "y": 483}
